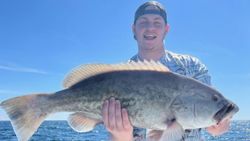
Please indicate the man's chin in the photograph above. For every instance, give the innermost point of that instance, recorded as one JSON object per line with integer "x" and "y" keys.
{"x": 148, "y": 48}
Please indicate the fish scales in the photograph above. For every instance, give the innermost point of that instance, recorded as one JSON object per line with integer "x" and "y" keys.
{"x": 142, "y": 92}
{"x": 155, "y": 98}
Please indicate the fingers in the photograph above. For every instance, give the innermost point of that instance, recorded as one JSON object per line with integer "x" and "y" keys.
{"x": 111, "y": 114}
{"x": 125, "y": 119}
{"x": 114, "y": 117}
{"x": 116, "y": 120}
{"x": 118, "y": 115}
{"x": 220, "y": 128}
{"x": 105, "y": 113}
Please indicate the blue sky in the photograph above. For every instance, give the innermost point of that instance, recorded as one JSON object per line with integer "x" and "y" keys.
{"x": 42, "y": 40}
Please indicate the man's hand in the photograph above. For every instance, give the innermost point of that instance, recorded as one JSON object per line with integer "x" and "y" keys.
{"x": 116, "y": 121}
{"x": 219, "y": 129}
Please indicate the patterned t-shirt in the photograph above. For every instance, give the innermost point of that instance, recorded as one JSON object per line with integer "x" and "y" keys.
{"x": 184, "y": 65}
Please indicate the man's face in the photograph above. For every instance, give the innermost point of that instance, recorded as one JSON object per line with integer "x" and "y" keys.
{"x": 149, "y": 31}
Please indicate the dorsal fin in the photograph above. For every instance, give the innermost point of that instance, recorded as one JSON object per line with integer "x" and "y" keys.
{"x": 85, "y": 71}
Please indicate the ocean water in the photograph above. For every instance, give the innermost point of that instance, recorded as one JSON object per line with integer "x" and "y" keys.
{"x": 60, "y": 131}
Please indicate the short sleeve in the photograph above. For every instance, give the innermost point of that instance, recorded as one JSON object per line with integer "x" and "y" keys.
{"x": 197, "y": 70}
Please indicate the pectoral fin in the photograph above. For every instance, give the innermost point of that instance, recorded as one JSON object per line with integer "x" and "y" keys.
{"x": 80, "y": 123}
{"x": 154, "y": 135}
{"x": 173, "y": 133}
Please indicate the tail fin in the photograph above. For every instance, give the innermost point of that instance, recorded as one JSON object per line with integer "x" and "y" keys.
{"x": 26, "y": 114}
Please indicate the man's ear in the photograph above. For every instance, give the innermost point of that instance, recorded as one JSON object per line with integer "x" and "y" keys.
{"x": 133, "y": 30}
{"x": 167, "y": 27}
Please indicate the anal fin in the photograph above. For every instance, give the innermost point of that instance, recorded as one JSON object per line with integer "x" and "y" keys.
{"x": 80, "y": 123}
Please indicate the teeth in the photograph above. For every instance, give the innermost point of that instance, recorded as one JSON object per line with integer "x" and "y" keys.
{"x": 149, "y": 36}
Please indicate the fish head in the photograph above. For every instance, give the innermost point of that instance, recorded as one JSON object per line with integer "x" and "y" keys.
{"x": 202, "y": 107}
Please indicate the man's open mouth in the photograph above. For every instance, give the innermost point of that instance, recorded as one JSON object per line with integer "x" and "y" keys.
{"x": 149, "y": 37}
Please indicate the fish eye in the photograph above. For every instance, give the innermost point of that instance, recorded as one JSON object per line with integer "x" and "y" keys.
{"x": 215, "y": 98}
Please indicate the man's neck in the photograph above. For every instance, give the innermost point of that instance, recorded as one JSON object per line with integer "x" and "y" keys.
{"x": 151, "y": 55}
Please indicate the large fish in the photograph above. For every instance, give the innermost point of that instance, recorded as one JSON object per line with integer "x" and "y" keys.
{"x": 155, "y": 98}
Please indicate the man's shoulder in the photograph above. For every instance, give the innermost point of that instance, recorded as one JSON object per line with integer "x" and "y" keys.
{"x": 185, "y": 61}
{"x": 192, "y": 66}
{"x": 182, "y": 57}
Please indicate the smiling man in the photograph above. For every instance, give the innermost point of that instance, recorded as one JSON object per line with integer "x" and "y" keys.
{"x": 150, "y": 28}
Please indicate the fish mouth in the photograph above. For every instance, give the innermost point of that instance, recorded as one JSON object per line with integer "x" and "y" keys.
{"x": 226, "y": 111}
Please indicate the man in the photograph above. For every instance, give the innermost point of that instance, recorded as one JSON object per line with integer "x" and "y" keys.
{"x": 150, "y": 28}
